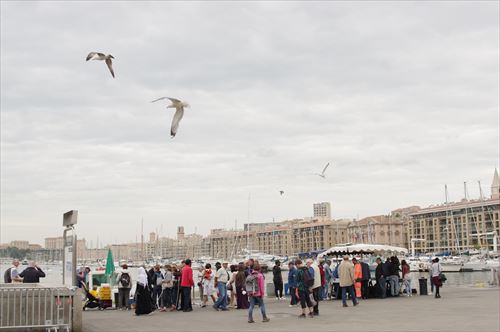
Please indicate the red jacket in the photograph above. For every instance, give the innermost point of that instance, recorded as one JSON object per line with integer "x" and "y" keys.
{"x": 322, "y": 273}
{"x": 187, "y": 277}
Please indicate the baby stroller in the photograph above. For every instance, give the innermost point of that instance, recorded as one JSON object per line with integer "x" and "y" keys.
{"x": 90, "y": 300}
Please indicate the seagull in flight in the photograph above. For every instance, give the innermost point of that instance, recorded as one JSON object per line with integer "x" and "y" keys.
{"x": 102, "y": 56}
{"x": 179, "y": 112}
{"x": 281, "y": 192}
{"x": 323, "y": 172}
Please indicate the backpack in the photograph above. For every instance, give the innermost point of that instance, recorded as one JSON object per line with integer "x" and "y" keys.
{"x": 125, "y": 280}
{"x": 6, "y": 276}
{"x": 251, "y": 284}
{"x": 336, "y": 272}
{"x": 308, "y": 279}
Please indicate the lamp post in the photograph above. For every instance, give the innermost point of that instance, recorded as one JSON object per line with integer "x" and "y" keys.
{"x": 69, "y": 248}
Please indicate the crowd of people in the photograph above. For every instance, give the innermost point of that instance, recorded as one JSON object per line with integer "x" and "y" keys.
{"x": 309, "y": 283}
{"x": 170, "y": 288}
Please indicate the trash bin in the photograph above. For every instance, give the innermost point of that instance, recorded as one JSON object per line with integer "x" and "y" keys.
{"x": 270, "y": 289}
{"x": 422, "y": 282}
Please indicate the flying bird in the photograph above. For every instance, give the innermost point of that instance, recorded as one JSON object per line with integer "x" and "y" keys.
{"x": 102, "y": 56}
{"x": 179, "y": 113}
{"x": 323, "y": 172}
{"x": 281, "y": 192}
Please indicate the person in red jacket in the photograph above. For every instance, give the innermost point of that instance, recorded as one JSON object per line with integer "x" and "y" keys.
{"x": 322, "y": 274}
{"x": 186, "y": 283}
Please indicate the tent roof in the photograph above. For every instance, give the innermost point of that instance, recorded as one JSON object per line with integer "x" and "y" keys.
{"x": 377, "y": 249}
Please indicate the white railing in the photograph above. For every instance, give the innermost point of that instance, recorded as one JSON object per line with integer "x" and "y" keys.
{"x": 24, "y": 306}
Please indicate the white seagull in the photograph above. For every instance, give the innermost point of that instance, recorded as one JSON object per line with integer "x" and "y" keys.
{"x": 102, "y": 56}
{"x": 323, "y": 172}
{"x": 179, "y": 113}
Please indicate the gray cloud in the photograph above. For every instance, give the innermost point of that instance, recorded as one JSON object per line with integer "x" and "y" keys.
{"x": 400, "y": 97}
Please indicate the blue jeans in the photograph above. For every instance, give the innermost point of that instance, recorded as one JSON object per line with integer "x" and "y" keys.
{"x": 166, "y": 297}
{"x": 394, "y": 282}
{"x": 350, "y": 289}
{"x": 407, "y": 284}
{"x": 324, "y": 295}
{"x": 253, "y": 301}
{"x": 222, "y": 299}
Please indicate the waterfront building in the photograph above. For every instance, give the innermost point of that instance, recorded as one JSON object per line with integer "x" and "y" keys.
{"x": 20, "y": 244}
{"x": 184, "y": 246}
{"x": 383, "y": 229}
{"x": 457, "y": 226}
{"x": 285, "y": 238}
{"x": 322, "y": 209}
{"x": 55, "y": 245}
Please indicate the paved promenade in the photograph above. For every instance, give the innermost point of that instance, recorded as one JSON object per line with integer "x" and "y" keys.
{"x": 460, "y": 309}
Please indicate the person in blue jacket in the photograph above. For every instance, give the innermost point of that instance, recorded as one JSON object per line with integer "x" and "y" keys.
{"x": 292, "y": 283}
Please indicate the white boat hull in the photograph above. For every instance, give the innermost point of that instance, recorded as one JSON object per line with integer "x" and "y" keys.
{"x": 451, "y": 267}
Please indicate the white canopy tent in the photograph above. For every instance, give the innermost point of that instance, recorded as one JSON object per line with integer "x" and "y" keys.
{"x": 357, "y": 249}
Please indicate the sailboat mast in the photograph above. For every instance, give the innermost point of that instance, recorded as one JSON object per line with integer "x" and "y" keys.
{"x": 447, "y": 210}
{"x": 248, "y": 226}
{"x": 142, "y": 239}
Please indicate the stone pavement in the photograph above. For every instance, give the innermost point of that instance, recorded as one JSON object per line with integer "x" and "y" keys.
{"x": 459, "y": 309}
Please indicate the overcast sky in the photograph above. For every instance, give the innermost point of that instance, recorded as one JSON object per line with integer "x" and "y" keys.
{"x": 399, "y": 97}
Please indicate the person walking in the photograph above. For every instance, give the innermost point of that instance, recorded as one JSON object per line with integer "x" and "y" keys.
{"x": 292, "y": 283}
{"x": 346, "y": 274}
{"x": 32, "y": 273}
{"x": 358, "y": 274}
{"x": 328, "y": 280}
{"x": 278, "y": 280}
{"x": 365, "y": 279}
{"x": 380, "y": 278}
{"x": 221, "y": 279}
{"x": 124, "y": 282}
{"x": 316, "y": 287}
{"x": 406, "y": 277}
{"x": 436, "y": 271}
{"x": 187, "y": 283}
{"x": 303, "y": 289}
{"x": 142, "y": 294}
{"x": 257, "y": 297}
{"x": 241, "y": 294}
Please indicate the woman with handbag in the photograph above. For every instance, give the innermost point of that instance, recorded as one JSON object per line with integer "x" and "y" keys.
{"x": 241, "y": 294}
{"x": 436, "y": 270}
{"x": 406, "y": 277}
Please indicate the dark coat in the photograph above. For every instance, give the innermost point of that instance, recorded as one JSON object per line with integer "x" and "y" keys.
{"x": 365, "y": 271}
{"x": 32, "y": 275}
{"x": 386, "y": 268}
{"x": 379, "y": 271}
{"x": 277, "y": 277}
